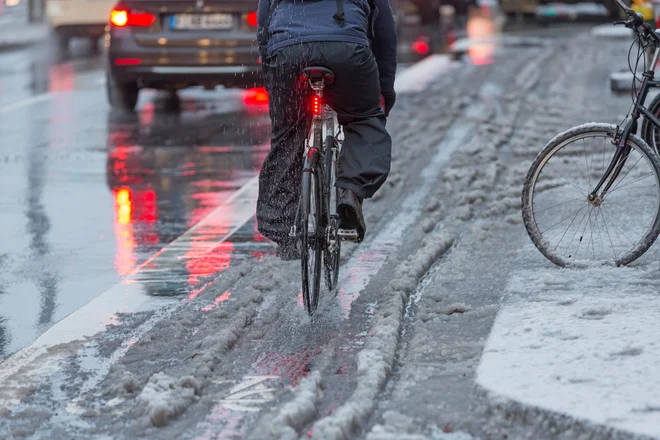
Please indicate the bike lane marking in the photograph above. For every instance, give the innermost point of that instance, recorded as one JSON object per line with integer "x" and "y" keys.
{"x": 21, "y": 372}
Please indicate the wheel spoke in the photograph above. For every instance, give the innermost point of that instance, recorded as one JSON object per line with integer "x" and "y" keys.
{"x": 567, "y": 229}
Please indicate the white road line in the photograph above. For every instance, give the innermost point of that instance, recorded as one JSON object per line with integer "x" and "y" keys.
{"x": 31, "y": 365}
{"x": 418, "y": 76}
{"x": 27, "y": 102}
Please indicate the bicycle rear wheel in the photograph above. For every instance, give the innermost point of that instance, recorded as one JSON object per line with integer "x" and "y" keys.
{"x": 567, "y": 227}
{"x": 312, "y": 235}
{"x": 332, "y": 250}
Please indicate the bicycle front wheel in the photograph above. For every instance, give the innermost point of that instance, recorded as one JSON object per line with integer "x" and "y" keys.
{"x": 312, "y": 234}
{"x": 651, "y": 133}
{"x": 568, "y": 227}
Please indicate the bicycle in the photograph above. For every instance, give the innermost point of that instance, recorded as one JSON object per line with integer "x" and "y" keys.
{"x": 598, "y": 175}
{"x": 319, "y": 235}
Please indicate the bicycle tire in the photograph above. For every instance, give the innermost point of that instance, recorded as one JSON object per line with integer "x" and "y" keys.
{"x": 312, "y": 236}
{"x": 650, "y": 133}
{"x": 546, "y": 154}
{"x": 330, "y": 257}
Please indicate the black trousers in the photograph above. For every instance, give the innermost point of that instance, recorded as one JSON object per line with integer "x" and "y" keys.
{"x": 365, "y": 158}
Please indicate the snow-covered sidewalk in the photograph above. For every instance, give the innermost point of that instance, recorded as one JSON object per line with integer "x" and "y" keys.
{"x": 581, "y": 344}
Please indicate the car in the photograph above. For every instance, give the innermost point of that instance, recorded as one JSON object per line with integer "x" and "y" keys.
{"x": 77, "y": 18}
{"x": 174, "y": 44}
{"x": 429, "y": 10}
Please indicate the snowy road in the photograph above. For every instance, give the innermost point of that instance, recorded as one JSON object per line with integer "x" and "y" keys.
{"x": 448, "y": 324}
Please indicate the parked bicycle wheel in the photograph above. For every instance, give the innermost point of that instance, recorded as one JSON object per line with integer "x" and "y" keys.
{"x": 650, "y": 133}
{"x": 614, "y": 228}
{"x": 312, "y": 235}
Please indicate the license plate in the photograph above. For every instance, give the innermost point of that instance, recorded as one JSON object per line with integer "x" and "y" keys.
{"x": 201, "y": 21}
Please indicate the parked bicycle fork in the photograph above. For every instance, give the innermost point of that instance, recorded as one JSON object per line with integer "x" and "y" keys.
{"x": 628, "y": 126}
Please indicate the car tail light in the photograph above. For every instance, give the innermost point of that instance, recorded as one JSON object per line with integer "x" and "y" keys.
{"x": 316, "y": 105}
{"x": 256, "y": 96}
{"x": 122, "y": 17}
{"x": 421, "y": 46}
{"x": 128, "y": 61}
{"x": 252, "y": 19}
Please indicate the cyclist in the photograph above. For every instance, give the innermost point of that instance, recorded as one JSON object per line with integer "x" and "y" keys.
{"x": 356, "y": 39}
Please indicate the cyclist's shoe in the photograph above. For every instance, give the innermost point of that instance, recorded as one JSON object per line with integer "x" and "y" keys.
{"x": 288, "y": 251}
{"x": 349, "y": 207}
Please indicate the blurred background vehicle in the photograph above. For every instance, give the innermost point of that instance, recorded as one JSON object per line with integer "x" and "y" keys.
{"x": 571, "y": 9}
{"x": 77, "y": 18}
{"x": 174, "y": 44}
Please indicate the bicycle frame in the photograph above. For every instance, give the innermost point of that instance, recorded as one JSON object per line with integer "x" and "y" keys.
{"x": 324, "y": 124}
{"x": 621, "y": 153}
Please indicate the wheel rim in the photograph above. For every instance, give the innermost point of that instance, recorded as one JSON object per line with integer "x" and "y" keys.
{"x": 576, "y": 230}
{"x": 312, "y": 245}
{"x": 655, "y": 135}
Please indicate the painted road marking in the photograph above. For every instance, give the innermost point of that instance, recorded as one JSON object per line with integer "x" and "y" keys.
{"x": 249, "y": 393}
{"x": 27, "y": 102}
{"x": 41, "y": 359}
{"x": 417, "y": 77}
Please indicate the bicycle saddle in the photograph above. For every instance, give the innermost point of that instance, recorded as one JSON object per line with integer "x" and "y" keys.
{"x": 317, "y": 73}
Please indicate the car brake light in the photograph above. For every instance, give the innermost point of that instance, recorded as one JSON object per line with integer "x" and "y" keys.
{"x": 128, "y": 61}
{"x": 252, "y": 19}
{"x": 121, "y": 17}
{"x": 316, "y": 105}
{"x": 421, "y": 46}
{"x": 256, "y": 96}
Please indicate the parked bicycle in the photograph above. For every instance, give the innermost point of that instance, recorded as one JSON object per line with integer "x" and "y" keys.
{"x": 592, "y": 195}
{"x": 317, "y": 221}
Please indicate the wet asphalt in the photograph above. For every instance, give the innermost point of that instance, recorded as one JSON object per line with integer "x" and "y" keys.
{"x": 90, "y": 193}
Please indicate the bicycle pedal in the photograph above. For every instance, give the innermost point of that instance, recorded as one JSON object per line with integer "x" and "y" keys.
{"x": 348, "y": 234}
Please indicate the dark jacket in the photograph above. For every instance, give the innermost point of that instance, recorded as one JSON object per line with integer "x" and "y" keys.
{"x": 303, "y": 21}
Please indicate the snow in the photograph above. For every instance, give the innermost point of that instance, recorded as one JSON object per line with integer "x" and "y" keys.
{"x": 580, "y": 343}
{"x": 376, "y": 359}
{"x": 611, "y": 31}
{"x": 295, "y": 414}
{"x": 165, "y": 398}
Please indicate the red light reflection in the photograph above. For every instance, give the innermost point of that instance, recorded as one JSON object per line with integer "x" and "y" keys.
{"x": 481, "y": 29}
{"x": 201, "y": 263}
{"x": 61, "y": 78}
{"x": 125, "y": 258}
{"x": 295, "y": 366}
{"x": 222, "y": 298}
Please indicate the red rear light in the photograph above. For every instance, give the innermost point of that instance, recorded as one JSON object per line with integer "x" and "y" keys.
{"x": 252, "y": 19}
{"x": 316, "y": 105}
{"x": 256, "y": 96}
{"x": 421, "y": 47}
{"x": 121, "y": 17}
{"x": 128, "y": 61}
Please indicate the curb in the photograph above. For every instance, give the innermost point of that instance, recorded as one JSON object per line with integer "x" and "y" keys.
{"x": 6, "y": 46}
{"x": 546, "y": 423}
